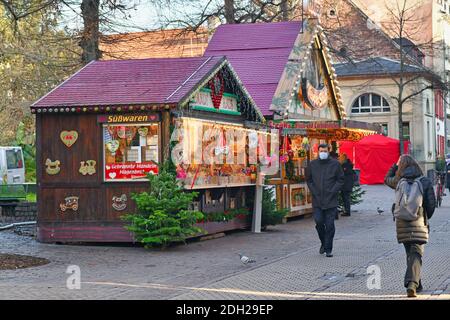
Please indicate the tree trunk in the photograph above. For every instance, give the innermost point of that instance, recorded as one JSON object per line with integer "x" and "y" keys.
{"x": 229, "y": 11}
{"x": 400, "y": 127}
{"x": 90, "y": 38}
{"x": 285, "y": 10}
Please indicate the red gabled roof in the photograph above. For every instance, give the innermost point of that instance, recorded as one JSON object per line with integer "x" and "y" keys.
{"x": 258, "y": 53}
{"x": 130, "y": 82}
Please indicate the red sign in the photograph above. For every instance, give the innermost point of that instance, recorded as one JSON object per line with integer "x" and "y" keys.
{"x": 129, "y": 171}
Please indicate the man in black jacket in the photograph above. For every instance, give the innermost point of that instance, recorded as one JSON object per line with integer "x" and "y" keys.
{"x": 325, "y": 179}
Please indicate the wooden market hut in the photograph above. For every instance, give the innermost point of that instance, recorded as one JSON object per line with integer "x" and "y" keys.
{"x": 103, "y": 129}
{"x": 287, "y": 69}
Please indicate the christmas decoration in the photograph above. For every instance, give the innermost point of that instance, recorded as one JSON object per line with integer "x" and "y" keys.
{"x": 69, "y": 137}
{"x": 87, "y": 167}
{"x": 217, "y": 87}
{"x": 112, "y": 146}
{"x": 70, "y": 203}
{"x": 52, "y": 167}
{"x": 119, "y": 203}
{"x": 143, "y": 131}
{"x": 163, "y": 216}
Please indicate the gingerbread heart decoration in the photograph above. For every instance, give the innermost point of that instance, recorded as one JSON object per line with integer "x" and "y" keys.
{"x": 143, "y": 131}
{"x": 112, "y": 146}
{"x": 69, "y": 137}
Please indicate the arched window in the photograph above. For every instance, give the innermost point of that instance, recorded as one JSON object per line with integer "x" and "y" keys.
{"x": 370, "y": 102}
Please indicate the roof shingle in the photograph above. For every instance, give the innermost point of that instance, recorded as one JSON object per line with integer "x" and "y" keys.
{"x": 128, "y": 82}
{"x": 373, "y": 66}
{"x": 258, "y": 53}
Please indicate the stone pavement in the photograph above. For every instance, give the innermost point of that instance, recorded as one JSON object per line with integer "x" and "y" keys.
{"x": 287, "y": 266}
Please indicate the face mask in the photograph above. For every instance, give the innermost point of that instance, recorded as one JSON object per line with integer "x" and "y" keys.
{"x": 323, "y": 155}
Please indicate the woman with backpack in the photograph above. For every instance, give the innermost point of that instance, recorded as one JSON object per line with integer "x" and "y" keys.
{"x": 411, "y": 215}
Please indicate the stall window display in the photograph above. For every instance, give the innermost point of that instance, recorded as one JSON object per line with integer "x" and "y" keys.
{"x": 131, "y": 151}
{"x": 228, "y": 162}
{"x": 301, "y": 150}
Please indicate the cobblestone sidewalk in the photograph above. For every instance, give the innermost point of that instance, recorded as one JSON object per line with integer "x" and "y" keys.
{"x": 288, "y": 263}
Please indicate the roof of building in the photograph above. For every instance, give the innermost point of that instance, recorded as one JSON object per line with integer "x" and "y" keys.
{"x": 373, "y": 66}
{"x": 131, "y": 82}
{"x": 258, "y": 53}
{"x": 173, "y": 43}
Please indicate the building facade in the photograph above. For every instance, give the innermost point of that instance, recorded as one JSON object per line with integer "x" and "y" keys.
{"x": 369, "y": 92}
{"x": 429, "y": 27}
{"x": 367, "y": 59}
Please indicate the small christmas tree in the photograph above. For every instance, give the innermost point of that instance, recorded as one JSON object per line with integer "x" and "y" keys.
{"x": 163, "y": 216}
{"x": 356, "y": 197}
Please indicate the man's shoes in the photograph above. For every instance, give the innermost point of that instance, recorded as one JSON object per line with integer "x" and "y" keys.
{"x": 411, "y": 290}
{"x": 322, "y": 250}
{"x": 345, "y": 214}
{"x": 329, "y": 255}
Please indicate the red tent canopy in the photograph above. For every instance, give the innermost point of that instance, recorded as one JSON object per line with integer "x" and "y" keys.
{"x": 373, "y": 155}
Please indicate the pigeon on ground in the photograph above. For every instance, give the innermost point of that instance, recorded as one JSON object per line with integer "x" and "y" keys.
{"x": 379, "y": 210}
{"x": 246, "y": 260}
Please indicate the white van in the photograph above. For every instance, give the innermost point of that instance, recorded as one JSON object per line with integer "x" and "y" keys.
{"x": 12, "y": 165}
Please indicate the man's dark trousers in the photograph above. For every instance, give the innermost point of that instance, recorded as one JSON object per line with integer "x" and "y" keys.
{"x": 325, "y": 226}
{"x": 414, "y": 253}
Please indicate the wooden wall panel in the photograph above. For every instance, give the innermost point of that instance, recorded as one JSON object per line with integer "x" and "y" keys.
{"x": 89, "y": 147}
{"x": 52, "y": 147}
{"x": 89, "y": 206}
{"x": 117, "y": 189}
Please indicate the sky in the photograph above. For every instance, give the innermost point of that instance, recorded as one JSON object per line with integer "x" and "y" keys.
{"x": 143, "y": 16}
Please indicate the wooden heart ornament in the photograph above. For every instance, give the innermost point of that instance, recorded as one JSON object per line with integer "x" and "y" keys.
{"x": 112, "y": 146}
{"x": 69, "y": 137}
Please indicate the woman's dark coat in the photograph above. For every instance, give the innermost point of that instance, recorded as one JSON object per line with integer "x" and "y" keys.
{"x": 347, "y": 167}
{"x": 414, "y": 231}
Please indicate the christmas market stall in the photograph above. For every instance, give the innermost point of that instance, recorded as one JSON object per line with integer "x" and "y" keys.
{"x": 308, "y": 110}
{"x": 104, "y": 129}
{"x": 287, "y": 69}
{"x": 299, "y": 145}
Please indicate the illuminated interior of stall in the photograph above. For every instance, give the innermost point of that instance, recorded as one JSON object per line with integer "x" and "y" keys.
{"x": 297, "y": 150}
{"x": 216, "y": 154}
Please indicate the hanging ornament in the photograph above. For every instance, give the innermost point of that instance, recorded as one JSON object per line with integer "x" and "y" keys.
{"x": 253, "y": 139}
{"x": 217, "y": 87}
{"x": 181, "y": 173}
{"x": 121, "y": 132}
{"x": 130, "y": 132}
{"x": 143, "y": 131}
{"x": 305, "y": 143}
{"x": 112, "y": 146}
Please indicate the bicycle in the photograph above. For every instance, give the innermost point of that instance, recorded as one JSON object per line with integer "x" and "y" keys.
{"x": 440, "y": 187}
